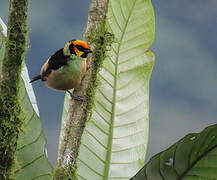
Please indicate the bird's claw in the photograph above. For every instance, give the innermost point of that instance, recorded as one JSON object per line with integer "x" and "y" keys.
{"x": 76, "y": 97}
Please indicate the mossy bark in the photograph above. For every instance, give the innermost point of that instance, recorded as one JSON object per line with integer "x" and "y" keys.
{"x": 97, "y": 37}
{"x": 11, "y": 114}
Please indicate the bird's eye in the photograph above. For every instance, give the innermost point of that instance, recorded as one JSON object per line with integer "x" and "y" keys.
{"x": 80, "y": 48}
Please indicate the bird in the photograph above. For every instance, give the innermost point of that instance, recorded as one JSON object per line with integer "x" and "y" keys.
{"x": 65, "y": 69}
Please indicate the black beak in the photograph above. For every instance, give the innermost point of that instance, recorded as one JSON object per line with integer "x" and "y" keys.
{"x": 87, "y": 51}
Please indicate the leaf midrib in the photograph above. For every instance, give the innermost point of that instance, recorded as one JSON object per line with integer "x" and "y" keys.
{"x": 109, "y": 152}
{"x": 195, "y": 162}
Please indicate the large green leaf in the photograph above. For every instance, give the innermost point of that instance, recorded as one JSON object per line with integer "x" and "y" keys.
{"x": 32, "y": 162}
{"x": 192, "y": 158}
{"x": 115, "y": 137}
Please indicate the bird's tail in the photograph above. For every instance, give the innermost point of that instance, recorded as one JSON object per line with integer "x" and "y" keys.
{"x": 36, "y": 78}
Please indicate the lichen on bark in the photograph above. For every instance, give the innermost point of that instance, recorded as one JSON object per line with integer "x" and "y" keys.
{"x": 99, "y": 39}
{"x": 11, "y": 114}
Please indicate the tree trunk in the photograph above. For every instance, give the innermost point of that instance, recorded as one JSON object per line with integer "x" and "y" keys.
{"x": 96, "y": 37}
{"x": 11, "y": 114}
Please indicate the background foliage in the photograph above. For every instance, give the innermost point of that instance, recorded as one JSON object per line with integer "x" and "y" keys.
{"x": 185, "y": 65}
{"x": 31, "y": 158}
{"x": 193, "y": 157}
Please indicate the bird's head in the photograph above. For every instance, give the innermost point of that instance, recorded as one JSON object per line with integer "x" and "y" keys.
{"x": 76, "y": 47}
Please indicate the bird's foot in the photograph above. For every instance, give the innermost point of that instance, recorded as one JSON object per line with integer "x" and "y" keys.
{"x": 76, "y": 97}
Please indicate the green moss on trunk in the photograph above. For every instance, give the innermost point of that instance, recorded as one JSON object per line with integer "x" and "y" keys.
{"x": 99, "y": 40}
{"x": 11, "y": 114}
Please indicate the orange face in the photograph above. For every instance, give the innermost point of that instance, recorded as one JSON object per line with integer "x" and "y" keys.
{"x": 80, "y": 48}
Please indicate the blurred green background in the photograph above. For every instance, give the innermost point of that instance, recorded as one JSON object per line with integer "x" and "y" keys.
{"x": 183, "y": 87}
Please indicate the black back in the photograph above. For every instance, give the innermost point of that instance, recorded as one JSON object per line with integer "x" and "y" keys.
{"x": 57, "y": 60}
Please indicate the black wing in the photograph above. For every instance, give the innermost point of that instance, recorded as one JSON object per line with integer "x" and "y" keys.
{"x": 57, "y": 60}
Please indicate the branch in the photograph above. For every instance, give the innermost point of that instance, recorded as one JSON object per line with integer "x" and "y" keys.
{"x": 11, "y": 114}
{"x": 96, "y": 36}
